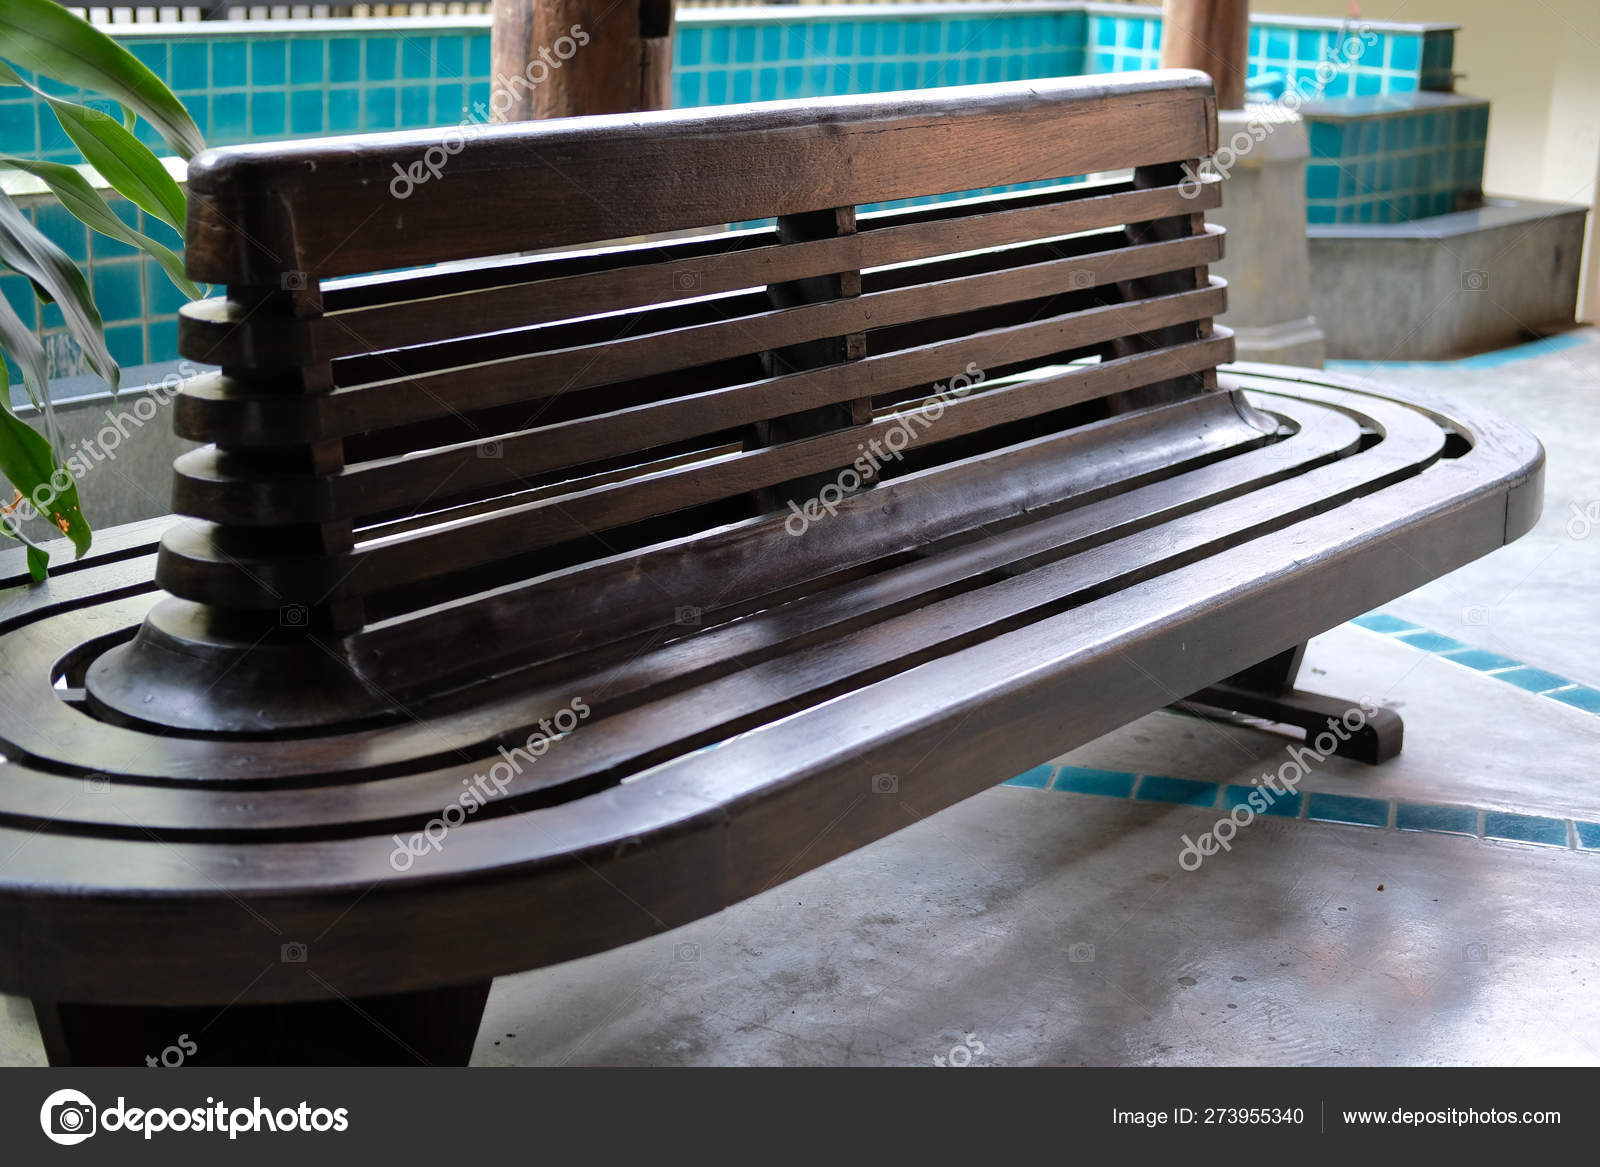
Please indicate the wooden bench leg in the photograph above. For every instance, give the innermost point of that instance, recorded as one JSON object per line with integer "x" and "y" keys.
{"x": 434, "y": 1027}
{"x": 1267, "y": 690}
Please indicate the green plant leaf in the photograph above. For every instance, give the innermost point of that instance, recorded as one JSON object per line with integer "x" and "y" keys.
{"x": 24, "y": 249}
{"x": 17, "y": 339}
{"x": 126, "y": 163}
{"x": 38, "y": 557}
{"x": 43, "y": 36}
{"x": 75, "y": 194}
{"x": 27, "y": 460}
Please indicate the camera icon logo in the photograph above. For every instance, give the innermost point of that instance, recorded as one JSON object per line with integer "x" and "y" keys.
{"x": 1080, "y": 953}
{"x": 490, "y": 451}
{"x": 1080, "y": 279}
{"x": 686, "y": 953}
{"x": 292, "y": 953}
{"x": 67, "y": 1117}
{"x": 294, "y": 616}
{"x": 687, "y": 615}
{"x": 686, "y": 281}
{"x": 885, "y": 784}
{"x": 96, "y": 784}
{"x": 1475, "y": 280}
{"x": 293, "y": 281}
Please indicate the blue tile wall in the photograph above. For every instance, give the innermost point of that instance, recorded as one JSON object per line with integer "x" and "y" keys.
{"x": 1387, "y": 61}
{"x": 242, "y": 88}
{"x": 782, "y": 59}
{"x": 346, "y": 79}
{"x": 1398, "y": 162}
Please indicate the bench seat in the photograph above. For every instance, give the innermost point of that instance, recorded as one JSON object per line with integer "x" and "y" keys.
{"x": 736, "y": 753}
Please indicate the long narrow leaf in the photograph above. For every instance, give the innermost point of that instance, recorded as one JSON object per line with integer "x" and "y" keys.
{"x": 74, "y": 193}
{"x": 126, "y": 163}
{"x": 25, "y": 249}
{"x": 42, "y": 36}
{"x": 18, "y": 339}
{"x": 122, "y": 160}
{"x": 27, "y": 460}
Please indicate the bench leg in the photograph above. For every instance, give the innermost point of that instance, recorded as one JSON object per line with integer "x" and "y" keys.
{"x": 1267, "y": 690}
{"x": 434, "y": 1027}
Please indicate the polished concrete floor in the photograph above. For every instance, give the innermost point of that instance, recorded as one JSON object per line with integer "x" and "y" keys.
{"x": 1038, "y": 924}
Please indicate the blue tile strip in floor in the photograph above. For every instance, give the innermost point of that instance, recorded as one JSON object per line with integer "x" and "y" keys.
{"x": 1489, "y": 360}
{"x": 1320, "y": 807}
{"x": 1357, "y": 810}
{"x": 1490, "y": 664}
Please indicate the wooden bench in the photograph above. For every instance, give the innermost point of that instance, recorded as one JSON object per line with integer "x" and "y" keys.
{"x": 530, "y": 604}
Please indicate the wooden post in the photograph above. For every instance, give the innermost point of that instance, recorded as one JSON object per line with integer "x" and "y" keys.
{"x": 1212, "y": 35}
{"x": 565, "y": 58}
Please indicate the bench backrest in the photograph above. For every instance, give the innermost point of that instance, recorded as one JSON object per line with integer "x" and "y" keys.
{"x": 402, "y": 454}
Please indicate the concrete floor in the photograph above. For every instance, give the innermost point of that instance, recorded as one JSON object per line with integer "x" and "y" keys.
{"x": 1043, "y": 926}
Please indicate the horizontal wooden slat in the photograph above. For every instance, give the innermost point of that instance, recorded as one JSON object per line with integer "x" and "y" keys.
{"x": 1500, "y": 455}
{"x": 324, "y": 207}
{"x": 191, "y": 567}
{"x": 456, "y": 379}
{"x": 546, "y": 374}
{"x": 629, "y": 677}
{"x": 424, "y": 309}
{"x": 1028, "y": 502}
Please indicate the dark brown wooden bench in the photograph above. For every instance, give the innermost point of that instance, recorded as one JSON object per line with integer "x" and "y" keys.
{"x": 530, "y": 604}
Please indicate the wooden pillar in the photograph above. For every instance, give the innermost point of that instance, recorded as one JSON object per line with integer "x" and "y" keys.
{"x": 1212, "y": 35}
{"x": 565, "y": 58}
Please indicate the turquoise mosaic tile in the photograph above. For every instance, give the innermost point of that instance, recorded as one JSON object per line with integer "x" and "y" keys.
{"x": 1446, "y": 820}
{"x": 1286, "y": 805}
{"x": 1579, "y": 697}
{"x": 1383, "y": 622}
{"x": 1431, "y": 641}
{"x": 1349, "y": 809}
{"x": 307, "y": 60}
{"x": 1037, "y": 778}
{"x": 1481, "y": 659}
{"x": 1533, "y": 680}
{"x": 1111, "y": 783}
{"x": 1525, "y": 828}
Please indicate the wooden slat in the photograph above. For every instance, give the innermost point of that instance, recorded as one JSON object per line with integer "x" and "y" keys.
{"x": 631, "y": 678}
{"x": 436, "y": 739}
{"x": 394, "y": 311}
{"x": 191, "y": 568}
{"x": 410, "y": 480}
{"x": 204, "y": 487}
{"x": 324, "y": 207}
